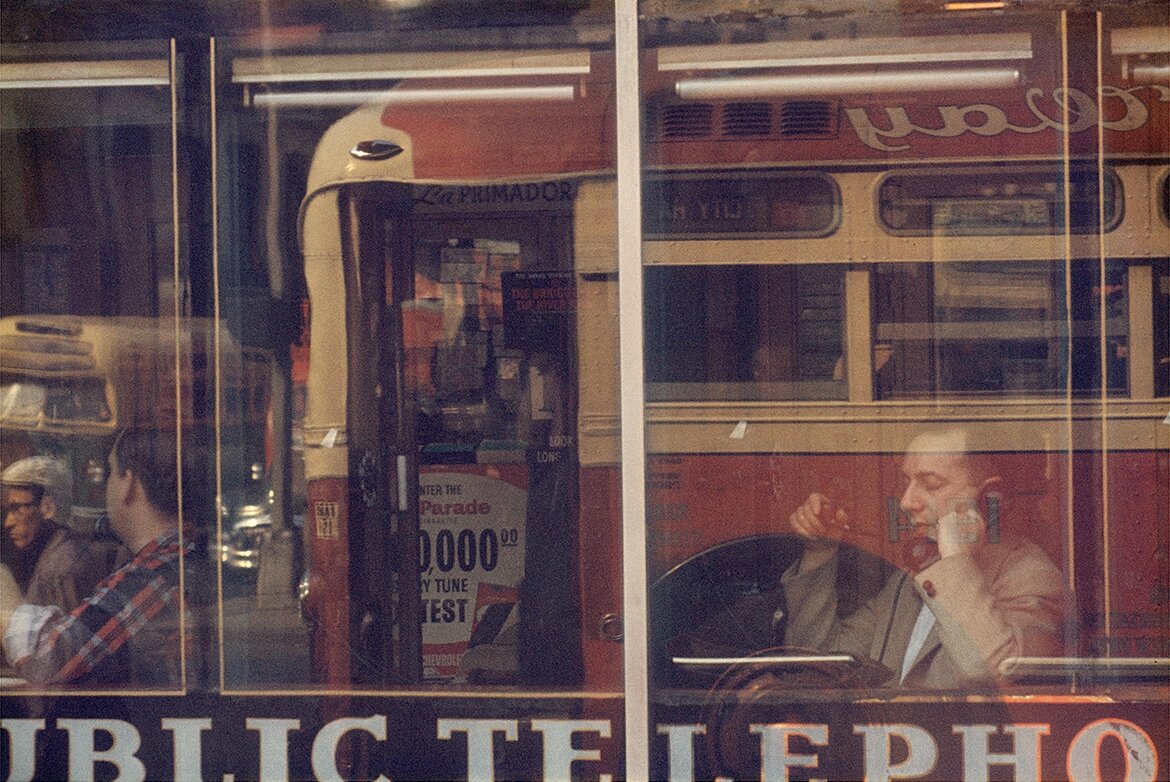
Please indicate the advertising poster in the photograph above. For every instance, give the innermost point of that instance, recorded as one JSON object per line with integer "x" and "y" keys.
{"x": 471, "y": 538}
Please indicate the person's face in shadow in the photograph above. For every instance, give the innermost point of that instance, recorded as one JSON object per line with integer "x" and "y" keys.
{"x": 24, "y": 513}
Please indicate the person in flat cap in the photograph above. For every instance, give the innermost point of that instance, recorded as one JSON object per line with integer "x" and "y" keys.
{"x": 130, "y": 629}
{"x": 52, "y": 564}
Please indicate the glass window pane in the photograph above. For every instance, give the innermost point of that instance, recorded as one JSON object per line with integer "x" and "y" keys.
{"x": 100, "y": 372}
{"x": 999, "y": 201}
{"x": 744, "y": 332}
{"x": 745, "y": 205}
{"x": 420, "y": 238}
{"x": 1002, "y": 329}
{"x": 943, "y": 346}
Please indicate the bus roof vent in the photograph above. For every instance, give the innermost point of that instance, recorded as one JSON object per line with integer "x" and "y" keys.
{"x": 747, "y": 119}
{"x": 807, "y": 118}
{"x": 686, "y": 120}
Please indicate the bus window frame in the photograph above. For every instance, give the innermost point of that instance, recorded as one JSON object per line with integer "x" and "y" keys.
{"x": 656, "y": 182}
{"x": 941, "y": 172}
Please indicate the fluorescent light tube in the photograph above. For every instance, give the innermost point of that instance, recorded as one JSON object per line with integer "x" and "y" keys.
{"x": 1150, "y": 73}
{"x": 407, "y": 96}
{"x": 407, "y": 65}
{"x": 976, "y": 5}
{"x": 981, "y": 47}
{"x": 1140, "y": 40}
{"x": 60, "y": 75}
{"x": 795, "y": 85}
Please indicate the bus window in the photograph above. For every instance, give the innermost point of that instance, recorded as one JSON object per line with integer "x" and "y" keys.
{"x": 744, "y": 333}
{"x": 1003, "y": 329}
{"x": 459, "y": 366}
{"x": 788, "y": 205}
{"x": 999, "y": 201}
{"x": 1162, "y": 329}
{"x": 32, "y": 399}
{"x": 1164, "y": 199}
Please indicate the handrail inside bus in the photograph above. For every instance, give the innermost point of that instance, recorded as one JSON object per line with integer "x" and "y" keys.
{"x": 1113, "y": 669}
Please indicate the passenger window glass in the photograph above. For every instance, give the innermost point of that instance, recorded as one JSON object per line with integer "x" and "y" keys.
{"x": 1162, "y": 329}
{"x": 998, "y": 329}
{"x": 744, "y": 332}
{"x": 994, "y": 201}
{"x": 746, "y": 205}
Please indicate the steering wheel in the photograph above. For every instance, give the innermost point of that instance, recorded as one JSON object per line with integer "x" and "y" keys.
{"x": 762, "y": 690}
{"x": 721, "y": 602}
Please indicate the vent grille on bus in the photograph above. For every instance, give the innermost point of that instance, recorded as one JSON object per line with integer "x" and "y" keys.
{"x": 747, "y": 119}
{"x": 687, "y": 120}
{"x": 791, "y": 119}
{"x": 806, "y": 118}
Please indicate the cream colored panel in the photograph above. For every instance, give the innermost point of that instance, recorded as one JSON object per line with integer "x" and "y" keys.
{"x": 1143, "y": 233}
{"x": 1141, "y": 335}
{"x": 595, "y": 228}
{"x": 328, "y": 370}
{"x": 598, "y": 427}
{"x": 321, "y": 462}
{"x": 859, "y": 339}
{"x": 334, "y": 165}
{"x": 882, "y": 427}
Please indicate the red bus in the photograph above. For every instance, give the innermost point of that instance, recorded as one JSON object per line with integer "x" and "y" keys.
{"x": 835, "y": 256}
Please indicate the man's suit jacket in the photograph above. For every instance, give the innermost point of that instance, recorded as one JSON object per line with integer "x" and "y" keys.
{"x": 1006, "y": 600}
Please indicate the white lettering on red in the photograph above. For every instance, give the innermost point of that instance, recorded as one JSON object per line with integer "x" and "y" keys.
{"x": 1067, "y": 109}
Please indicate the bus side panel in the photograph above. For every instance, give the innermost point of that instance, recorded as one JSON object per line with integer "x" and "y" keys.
{"x": 699, "y": 500}
{"x": 601, "y": 606}
{"x": 1139, "y": 561}
{"x": 601, "y": 575}
{"x": 328, "y": 601}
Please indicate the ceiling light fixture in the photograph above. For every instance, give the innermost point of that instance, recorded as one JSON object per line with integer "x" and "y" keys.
{"x": 978, "y": 47}
{"x": 454, "y": 96}
{"x": 794, "y": 85}
{"x": 1150, "y": 73}
{"x": 62, "y": 75}
{"x": 408, "y": 65}
{"x": 976, "y": 5}
{"x": 1140, "y": 40}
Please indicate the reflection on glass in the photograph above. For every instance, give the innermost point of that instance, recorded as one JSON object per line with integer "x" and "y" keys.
{"x": 744, "y": 333}
{"x": 434, "y": 396}
{"x": 997, "y": 329}
{"x": 84, "y": 359}
{"x": 92, "y": 168}
{"x": 942, "y": 289}
{"x": 758, "y": 205}
{"x": 93, "y": 428}
{"x": 998, "y": 201}
{"x": 486, "y": 361}
{"x": 951, "y": 535}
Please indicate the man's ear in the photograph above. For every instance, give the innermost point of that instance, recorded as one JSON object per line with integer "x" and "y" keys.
{"x": 48, "y": 507}
{"x": 126, "y": 486}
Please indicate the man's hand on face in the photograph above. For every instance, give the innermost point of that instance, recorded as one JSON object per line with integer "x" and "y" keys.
{"x": 962, "y": 530}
